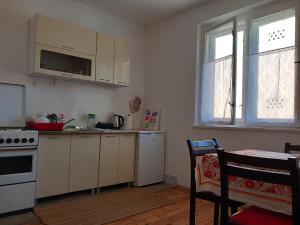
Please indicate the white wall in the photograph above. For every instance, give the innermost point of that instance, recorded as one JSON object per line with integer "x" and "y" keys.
{"x": 170, "y": 85}
{"x": 72, "y": 98}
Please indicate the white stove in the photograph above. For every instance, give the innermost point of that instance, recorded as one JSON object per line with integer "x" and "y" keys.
{"x": 18, "y": 137}
{"x": 18, "y": 152}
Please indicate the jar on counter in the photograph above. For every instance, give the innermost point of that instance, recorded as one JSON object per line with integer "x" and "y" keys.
{"x": 91, "y": 121}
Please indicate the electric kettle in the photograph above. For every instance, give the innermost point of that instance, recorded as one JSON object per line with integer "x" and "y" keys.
{"x": 118, "y": 121}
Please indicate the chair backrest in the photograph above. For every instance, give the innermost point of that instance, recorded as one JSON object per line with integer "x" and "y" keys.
{"x": 199, "y": 148}
{"x": 291, "y": 148}
{"x": 276, "y": 171}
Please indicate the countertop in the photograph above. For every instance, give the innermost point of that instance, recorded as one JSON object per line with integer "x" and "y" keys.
{"x": 98, "y": 131}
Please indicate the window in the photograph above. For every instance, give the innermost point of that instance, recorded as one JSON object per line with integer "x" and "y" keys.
{"x": 249, "y": 82}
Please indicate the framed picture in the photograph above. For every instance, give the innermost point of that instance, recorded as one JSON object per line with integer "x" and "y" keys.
{"x": 151, "y": 119}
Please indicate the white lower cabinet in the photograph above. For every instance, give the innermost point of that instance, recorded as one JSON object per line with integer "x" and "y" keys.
{"x": 126, "y": 158}
{"x": 109, "y": 153}
{"x": 117, "y": 159}
{"x": 53, "y": 165}
{"x": 84, "y": 162}
{"x": 75, "y": 162}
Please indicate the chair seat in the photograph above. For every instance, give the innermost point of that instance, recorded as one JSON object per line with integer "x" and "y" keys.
{"x": 255, "y": 216}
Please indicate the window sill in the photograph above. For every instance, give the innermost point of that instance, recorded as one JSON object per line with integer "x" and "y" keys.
{"x": 248, "y": 128}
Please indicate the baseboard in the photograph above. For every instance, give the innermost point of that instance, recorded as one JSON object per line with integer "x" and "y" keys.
{"x": 171, "y": 180}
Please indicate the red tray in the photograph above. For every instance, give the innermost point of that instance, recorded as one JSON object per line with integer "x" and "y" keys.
{"x": 45, "y": 126}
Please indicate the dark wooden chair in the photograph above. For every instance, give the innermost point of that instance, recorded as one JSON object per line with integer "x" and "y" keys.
{"x": 200, "y": 148}
{"x": 245, "y": 167}
{"x": 288, "y": 148}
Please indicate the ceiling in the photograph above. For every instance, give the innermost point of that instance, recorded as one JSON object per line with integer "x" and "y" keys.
{"x": 143, "y": 12}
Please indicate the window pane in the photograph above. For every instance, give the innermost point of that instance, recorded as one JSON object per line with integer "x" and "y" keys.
{"x": 224, "y": 46}
{"x": 217, "y": 76}
{"x": 271, "y": 92}
{"x": 276, "y": 85}
{"x": 279, "y": 34}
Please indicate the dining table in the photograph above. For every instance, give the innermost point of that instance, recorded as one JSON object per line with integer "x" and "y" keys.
{"x": 261, "y": 194}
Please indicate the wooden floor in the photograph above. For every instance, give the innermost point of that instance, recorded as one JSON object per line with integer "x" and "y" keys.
{"x": 176, "y": 213}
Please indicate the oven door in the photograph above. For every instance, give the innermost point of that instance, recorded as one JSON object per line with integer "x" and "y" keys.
{"x": 17, "y": 165}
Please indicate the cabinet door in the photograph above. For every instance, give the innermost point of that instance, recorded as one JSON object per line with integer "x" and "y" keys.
{"x": 108, "y": 174}
{"x": 126, "y": 158}
{"x": 58, "y": 62}
{"x": 105, "y": 58}
{"x": 53, "y": 165}
{"x": 84, "y": 162}
{"x": 122, "y": 62}
{"x": 65, "y": 35}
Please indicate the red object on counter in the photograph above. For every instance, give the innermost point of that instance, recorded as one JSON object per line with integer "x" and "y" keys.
{"x": 45, "y": 126}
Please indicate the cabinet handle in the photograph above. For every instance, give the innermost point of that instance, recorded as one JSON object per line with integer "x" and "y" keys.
{"x": 109, "y": 136}
{"x": 297, "y": 61}
{"x": 86, "y": 136}
{"x": 68, "y": 47}
{"x": 54, "y": 137}
{"x": 121, "y": 82}
{"x": 104, "y": 79}
{"x": 127, "y": 135}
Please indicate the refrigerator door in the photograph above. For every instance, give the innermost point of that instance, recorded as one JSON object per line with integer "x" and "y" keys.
{"x": 150, "y": 160}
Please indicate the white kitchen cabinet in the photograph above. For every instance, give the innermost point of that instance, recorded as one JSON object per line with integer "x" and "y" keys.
{"x": 51, "y": 61}
{"x": 122, "y": 62}
{"x": 61, "y": 50}
{"x": 105, "y": 58}
{"x": 53, "y": 165}
{"x": 108, "y": 169}
{"x": 65, "y": 35}
{"x": 84, "y": 162}
{"x": 126, "y": 158}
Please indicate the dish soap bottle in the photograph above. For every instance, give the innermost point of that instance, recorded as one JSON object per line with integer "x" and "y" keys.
{"x": 91, "y": 121}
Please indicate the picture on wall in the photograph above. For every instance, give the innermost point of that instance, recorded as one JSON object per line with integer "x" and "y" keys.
{"x": 151, "y": 119}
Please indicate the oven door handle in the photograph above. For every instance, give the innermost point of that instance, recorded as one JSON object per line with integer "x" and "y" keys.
{"x": 23, "y": 148}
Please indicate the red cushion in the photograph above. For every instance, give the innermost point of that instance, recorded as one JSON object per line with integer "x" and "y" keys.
{"x": 257, "y": 216}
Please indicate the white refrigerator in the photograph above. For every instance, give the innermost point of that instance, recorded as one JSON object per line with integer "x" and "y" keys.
{"x": 150, "y": 158}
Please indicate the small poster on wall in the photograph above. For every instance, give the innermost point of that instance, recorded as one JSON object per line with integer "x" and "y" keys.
{"x": 151, "y": 119}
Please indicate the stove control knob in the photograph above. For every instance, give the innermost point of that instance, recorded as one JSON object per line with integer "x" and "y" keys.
{"x": 24, "y": 140}
{"x": 1, "y": 140}
{"x": 17, "y": 140}
{"x": 8, "y": 140}
{"x": 31, "y": 140}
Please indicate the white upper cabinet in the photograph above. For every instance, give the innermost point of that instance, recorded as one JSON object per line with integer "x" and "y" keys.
{"x": 122, "y": 62}
{"x": 65, "y": 35}
{"x": 105, "y": 58}
{"x": 63, "y": 63}
{"x": 63, "y": 50}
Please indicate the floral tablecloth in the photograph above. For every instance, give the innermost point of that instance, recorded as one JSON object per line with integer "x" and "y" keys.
{"x": 261, "y": 194}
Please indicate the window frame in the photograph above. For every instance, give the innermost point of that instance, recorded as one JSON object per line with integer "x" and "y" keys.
{"x": 202, "y": 57}
{"x": 243, "y": 20}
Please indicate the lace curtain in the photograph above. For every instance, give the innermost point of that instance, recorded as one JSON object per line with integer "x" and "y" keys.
{"x": 216, "y": 90}
{"x": 271, "y": 90}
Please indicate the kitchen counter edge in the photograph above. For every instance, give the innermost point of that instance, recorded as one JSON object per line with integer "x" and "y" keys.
{"x": 98, "y": 132}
